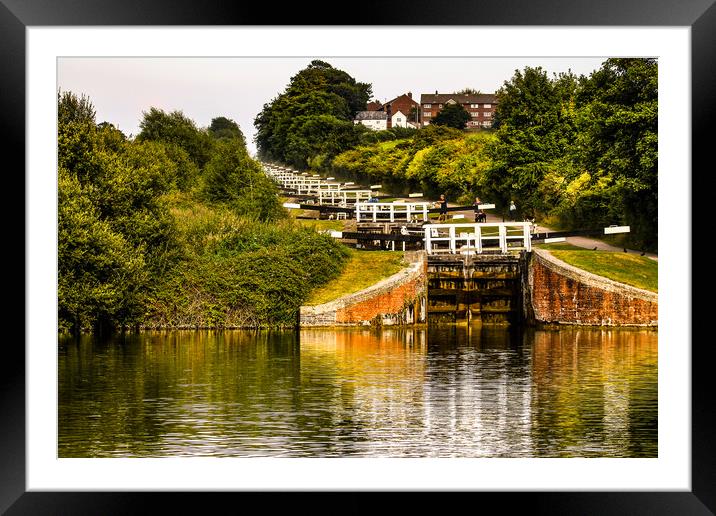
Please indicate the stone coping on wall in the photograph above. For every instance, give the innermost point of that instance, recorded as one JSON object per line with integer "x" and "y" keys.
{"x": 326, "y": 313}
{"x": 593, "y": 280}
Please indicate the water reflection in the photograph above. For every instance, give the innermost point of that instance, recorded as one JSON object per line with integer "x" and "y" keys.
{"x": 441, "y": 392}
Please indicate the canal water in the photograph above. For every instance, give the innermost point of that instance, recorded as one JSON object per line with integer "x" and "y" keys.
{"x": 436, "y": 392}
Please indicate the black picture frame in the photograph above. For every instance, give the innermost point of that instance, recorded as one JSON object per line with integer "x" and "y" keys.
{"x": 17, "y": 15}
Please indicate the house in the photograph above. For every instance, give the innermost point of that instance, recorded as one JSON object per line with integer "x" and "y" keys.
{"x": 481, "y": 107}
{"x": 400, "y": 120}
{"x": 405, "y": 104}
{"x": 375, "y": 120}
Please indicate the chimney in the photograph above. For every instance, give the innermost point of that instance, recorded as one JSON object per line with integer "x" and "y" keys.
{"x": 436, "y": 92}
{"x": 410, "y": 94}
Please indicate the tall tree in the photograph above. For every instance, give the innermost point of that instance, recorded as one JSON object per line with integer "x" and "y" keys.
{"x": 452, "y": 115}
{"x": 114, "y": 229}
{"x": 222, "y": 127}
{"x": 175, "y": 128}
{"x": 619, "y": 121}
{"x": 71, "y": 108}
{"x": 320, "y": 101}
{"x": 535, "y": 128}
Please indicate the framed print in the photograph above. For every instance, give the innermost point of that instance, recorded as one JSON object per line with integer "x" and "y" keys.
{"x": 39, "y": 42}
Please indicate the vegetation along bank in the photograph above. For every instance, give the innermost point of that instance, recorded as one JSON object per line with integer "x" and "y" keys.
{"x": 574, "y": 152}
{"x": 177, "y": 227}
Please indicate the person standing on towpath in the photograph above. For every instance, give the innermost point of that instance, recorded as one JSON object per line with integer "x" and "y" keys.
{"x": 480, "y": 216}
{"x": 443, "y": 208}
{"x": 513, "y": 211}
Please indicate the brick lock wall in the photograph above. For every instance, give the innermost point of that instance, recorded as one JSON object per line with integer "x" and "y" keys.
{"x": 560, "y": 293}
{"x": 400, "y": 299}
{"x": 391, "y": 302}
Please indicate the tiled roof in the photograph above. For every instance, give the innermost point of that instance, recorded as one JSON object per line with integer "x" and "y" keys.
{"x": 400, "y": 96}
{"x": 442, "y": 98}
{"x": 371, "y": 115}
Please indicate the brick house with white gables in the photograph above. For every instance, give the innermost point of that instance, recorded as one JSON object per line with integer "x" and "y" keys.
{"x": 481, "y": 107}
{"x": 406, "y": 105}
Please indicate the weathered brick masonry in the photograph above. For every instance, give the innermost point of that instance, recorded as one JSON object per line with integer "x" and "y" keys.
{"x": 560, "y": 293}
{"x": 399, "y": 299}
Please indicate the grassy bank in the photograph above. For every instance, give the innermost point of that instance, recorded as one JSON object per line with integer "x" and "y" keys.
{"x": 364, "y": 269}
{"x": 236, "y": 272}
{"x": 637, "y": 271}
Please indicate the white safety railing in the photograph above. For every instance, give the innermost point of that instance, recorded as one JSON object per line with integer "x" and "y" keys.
{"x": 477, "y": 238}
{"x": 315, "y": 188}
{"x": 343, "y": 197}
{"x": 391, "y": 211}
{"x": 327, "y": 191}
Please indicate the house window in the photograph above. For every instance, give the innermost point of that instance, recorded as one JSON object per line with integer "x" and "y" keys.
{"x": 487, "y": 114}
{"x": 474, "y": 114}
{"x": 398, "y": 119}
{"x": 440, "y": 105}
{"x": 474, "y": 106}
{"x": 487, "y": 106}
{"x": 427, "y": 106}
{"x": 426, "y": 114}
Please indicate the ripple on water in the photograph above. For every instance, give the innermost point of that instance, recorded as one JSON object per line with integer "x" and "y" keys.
{"x": 441, "y": 392}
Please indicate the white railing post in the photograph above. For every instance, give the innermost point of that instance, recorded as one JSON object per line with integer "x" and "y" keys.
{"x": 452, "y": 239}
{"x": 428, "y": 243}
{"x": 527, "y": 236}
{"x": 392, "y": 213}
{"x": 425, "y": 212}
{"x": 478, "y": 239}
{"x": 503, "y": 238}
{"x": 375, "y": 213}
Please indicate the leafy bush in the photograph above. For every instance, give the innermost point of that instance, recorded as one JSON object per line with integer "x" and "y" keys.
{"x": 242, "y": 273}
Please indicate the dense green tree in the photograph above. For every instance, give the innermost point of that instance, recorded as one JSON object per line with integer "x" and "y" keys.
{"x": 536, "y": 127}
{"x": 101, "y": 275}
{"x": 71, "y": 108}
{"x": 320, "y": 75}
{"x": 467, "y": 91}
{"x": 233, "y": 178}
{"x": 452, "y": 115}
{"x": 175, "y": 128}
{"x": 114, "y": 228}
{"x": 619, "y": 139}
{"x": 222, "y": 127}
{"x": 312, "y": 119}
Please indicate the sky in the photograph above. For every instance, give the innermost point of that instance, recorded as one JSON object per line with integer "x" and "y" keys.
{"x": 121, "y": 89}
